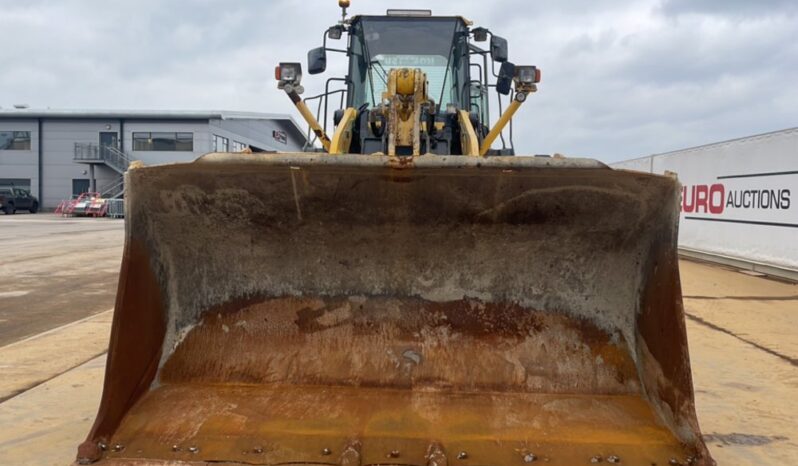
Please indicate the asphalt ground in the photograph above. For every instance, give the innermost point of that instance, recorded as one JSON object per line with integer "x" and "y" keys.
{"x": 60, "y": 280}
{"x": 55, "y": 271}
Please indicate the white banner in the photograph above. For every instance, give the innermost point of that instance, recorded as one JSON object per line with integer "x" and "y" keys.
{"x": 738, "y": 197}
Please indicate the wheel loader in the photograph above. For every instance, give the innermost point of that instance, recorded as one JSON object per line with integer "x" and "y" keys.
{"x": 402, "y": 292}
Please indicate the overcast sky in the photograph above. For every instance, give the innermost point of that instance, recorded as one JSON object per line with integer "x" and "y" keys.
{"x": 621, "y": 78}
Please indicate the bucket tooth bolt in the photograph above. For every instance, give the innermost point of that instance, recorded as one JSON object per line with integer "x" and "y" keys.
{"x": 393, "y": 454}
{"x": 102, "y": 446}
{"x": 119, "y": 447}
{"x": 530, "y": 457}
{"x": 257, "y": 450}
{"x": 326, "y": 452}
{"x": 596, "y": 459}
{"x": 613, "y": 459}
{"x": 463, "y": 455}
{"x": 193, "y": 449}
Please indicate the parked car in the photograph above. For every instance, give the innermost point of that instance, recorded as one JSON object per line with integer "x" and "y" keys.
{"x": 13, "y": 199}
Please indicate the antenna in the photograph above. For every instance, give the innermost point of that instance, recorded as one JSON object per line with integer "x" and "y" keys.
{"x": 344, "y": 4}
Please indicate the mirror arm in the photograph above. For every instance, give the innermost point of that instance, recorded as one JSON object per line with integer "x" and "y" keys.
{"x": 324, "y": 43}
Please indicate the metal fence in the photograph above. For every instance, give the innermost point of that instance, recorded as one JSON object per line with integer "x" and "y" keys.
{"x": 89, "y": 152}
{"x": 116, "y": 208}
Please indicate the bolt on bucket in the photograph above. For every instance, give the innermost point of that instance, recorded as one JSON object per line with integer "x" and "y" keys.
{"x": 359, "y": 310}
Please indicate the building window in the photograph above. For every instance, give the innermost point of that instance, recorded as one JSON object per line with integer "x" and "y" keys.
{"x": 14, "y": 140}
{"x": 220, "y": 144}
{"x": 163, "y": 142}
{"x": 239, "y": 146}
{"x": 22, "y": 183}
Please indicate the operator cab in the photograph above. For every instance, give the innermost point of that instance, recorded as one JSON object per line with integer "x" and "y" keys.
{"x": 415, "y": 84}
{"x": 435, "y": 45}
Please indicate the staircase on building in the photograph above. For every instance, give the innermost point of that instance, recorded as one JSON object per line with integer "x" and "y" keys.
{"x": 109, "y": 156}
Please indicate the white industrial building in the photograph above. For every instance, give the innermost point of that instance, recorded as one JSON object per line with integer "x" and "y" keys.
{"x": 739, "y": 200}
{"x": 57, "y": 154}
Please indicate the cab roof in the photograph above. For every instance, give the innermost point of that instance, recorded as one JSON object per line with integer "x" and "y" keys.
{"x": 414, "y": 17}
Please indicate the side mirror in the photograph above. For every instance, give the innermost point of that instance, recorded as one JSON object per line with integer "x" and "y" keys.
{"x": 498, "y": 49}
{"x": 504, "y": 83}
{"x": 317, "y": 60}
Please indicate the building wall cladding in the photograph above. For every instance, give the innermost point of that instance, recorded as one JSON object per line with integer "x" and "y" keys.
{"x": 58, "y": 153}
{"x": 258, "y": 133}
{"x": 21, "y": 164}
{"x": 739, "y": 197}
{"x": 59, "y": 136}
{"x": 199, "y": 128}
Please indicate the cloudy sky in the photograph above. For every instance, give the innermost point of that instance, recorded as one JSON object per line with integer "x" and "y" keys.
{"x": 622, "y": 78}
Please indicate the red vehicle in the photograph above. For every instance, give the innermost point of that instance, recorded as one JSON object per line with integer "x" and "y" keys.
{"x": 87, "y": 204}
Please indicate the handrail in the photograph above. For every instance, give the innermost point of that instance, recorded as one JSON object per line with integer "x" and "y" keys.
{"x": 115, "y": 157}
{"x": 85, "y": 151}
{"x": 112, "y": 189}
{"x": 111, "y": 155}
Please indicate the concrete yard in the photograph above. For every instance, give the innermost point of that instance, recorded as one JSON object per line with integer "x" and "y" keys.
{"x": 59, "y": 281}
{"x": 55, "y": 271}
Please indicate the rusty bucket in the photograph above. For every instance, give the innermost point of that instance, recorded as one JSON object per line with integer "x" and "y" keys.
{"x": 364, "y": 310}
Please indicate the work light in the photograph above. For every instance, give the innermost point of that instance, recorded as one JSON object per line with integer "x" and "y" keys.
{"x": 335, "y": 32}
{"x": 480, "y": 34}
{"x": 288, "y": 73}
{"x": 526, "y": 75}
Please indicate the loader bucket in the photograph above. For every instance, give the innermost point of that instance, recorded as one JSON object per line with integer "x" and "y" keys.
{"x": 365, "y": 310}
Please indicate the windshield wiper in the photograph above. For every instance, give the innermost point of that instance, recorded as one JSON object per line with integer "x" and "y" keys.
{"x": 368, "y": 61}
{"x": 384, "y": 75}
{"x": 448, "y": 63}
